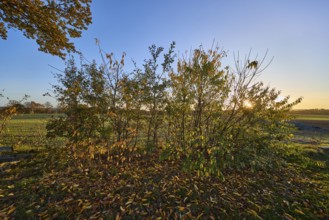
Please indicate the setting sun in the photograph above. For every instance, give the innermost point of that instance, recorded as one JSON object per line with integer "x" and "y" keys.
{"x": 247, "y": 104}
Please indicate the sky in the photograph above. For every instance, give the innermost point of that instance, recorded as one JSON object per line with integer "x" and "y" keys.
{"x": 294, "y": 32}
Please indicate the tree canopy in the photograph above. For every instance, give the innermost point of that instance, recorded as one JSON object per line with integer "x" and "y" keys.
{"x": 50, "y": 22}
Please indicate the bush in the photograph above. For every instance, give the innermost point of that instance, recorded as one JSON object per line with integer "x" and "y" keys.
{"x": 223, "y": 118}
{"x": 206, "y": 116}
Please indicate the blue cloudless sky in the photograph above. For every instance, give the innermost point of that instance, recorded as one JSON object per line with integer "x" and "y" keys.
{"x": 295, "y": 33}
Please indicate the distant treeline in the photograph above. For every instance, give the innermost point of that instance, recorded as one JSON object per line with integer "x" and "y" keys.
{"x": 30, "y": 109}
{"x": 23, "y": 109}
{"x": 311, "y": 111}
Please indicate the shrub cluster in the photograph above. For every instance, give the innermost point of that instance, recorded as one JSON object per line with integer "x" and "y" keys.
{"x": 204, "y": 115}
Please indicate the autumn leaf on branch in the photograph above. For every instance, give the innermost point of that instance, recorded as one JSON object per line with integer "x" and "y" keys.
{"x": 50, "y": 23}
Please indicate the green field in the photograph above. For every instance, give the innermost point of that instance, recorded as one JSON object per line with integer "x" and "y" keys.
{"x": 26, "y": 132}
{"x": 48, "y": 186}
{"x": 312, "y": 117}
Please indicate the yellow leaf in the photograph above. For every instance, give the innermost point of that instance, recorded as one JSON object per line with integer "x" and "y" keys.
{"x": 68, "y": 200}
{"x": 289, "y": 217}
{"x": 80, "y": 202}
{"x": 11, "y": 210}
{"x": 43, "y": 214}
{"x": 199, "y": 216}
{"x": 129, "y": 201}
{"x": 299, "y": 212}
{"x": 254, "y": 213}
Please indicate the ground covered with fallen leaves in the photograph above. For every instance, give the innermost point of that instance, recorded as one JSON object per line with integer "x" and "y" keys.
{"x": 146, "y": 187}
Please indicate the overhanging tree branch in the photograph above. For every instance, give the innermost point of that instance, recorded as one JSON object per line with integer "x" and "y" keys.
{"x": 51, "y": 23}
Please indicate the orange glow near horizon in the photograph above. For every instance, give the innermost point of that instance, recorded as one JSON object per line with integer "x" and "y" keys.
{"x": 313, "y": 104}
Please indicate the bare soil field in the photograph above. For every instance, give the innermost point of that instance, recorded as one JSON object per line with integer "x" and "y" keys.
{"x": 321, "y": 126}
{"x": 312, "y": 132}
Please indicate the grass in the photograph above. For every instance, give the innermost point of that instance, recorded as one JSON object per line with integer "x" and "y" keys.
{"x": 140, "y": 186}
{"x": 312, "y": 117}
{"x": 26, "y": 132}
